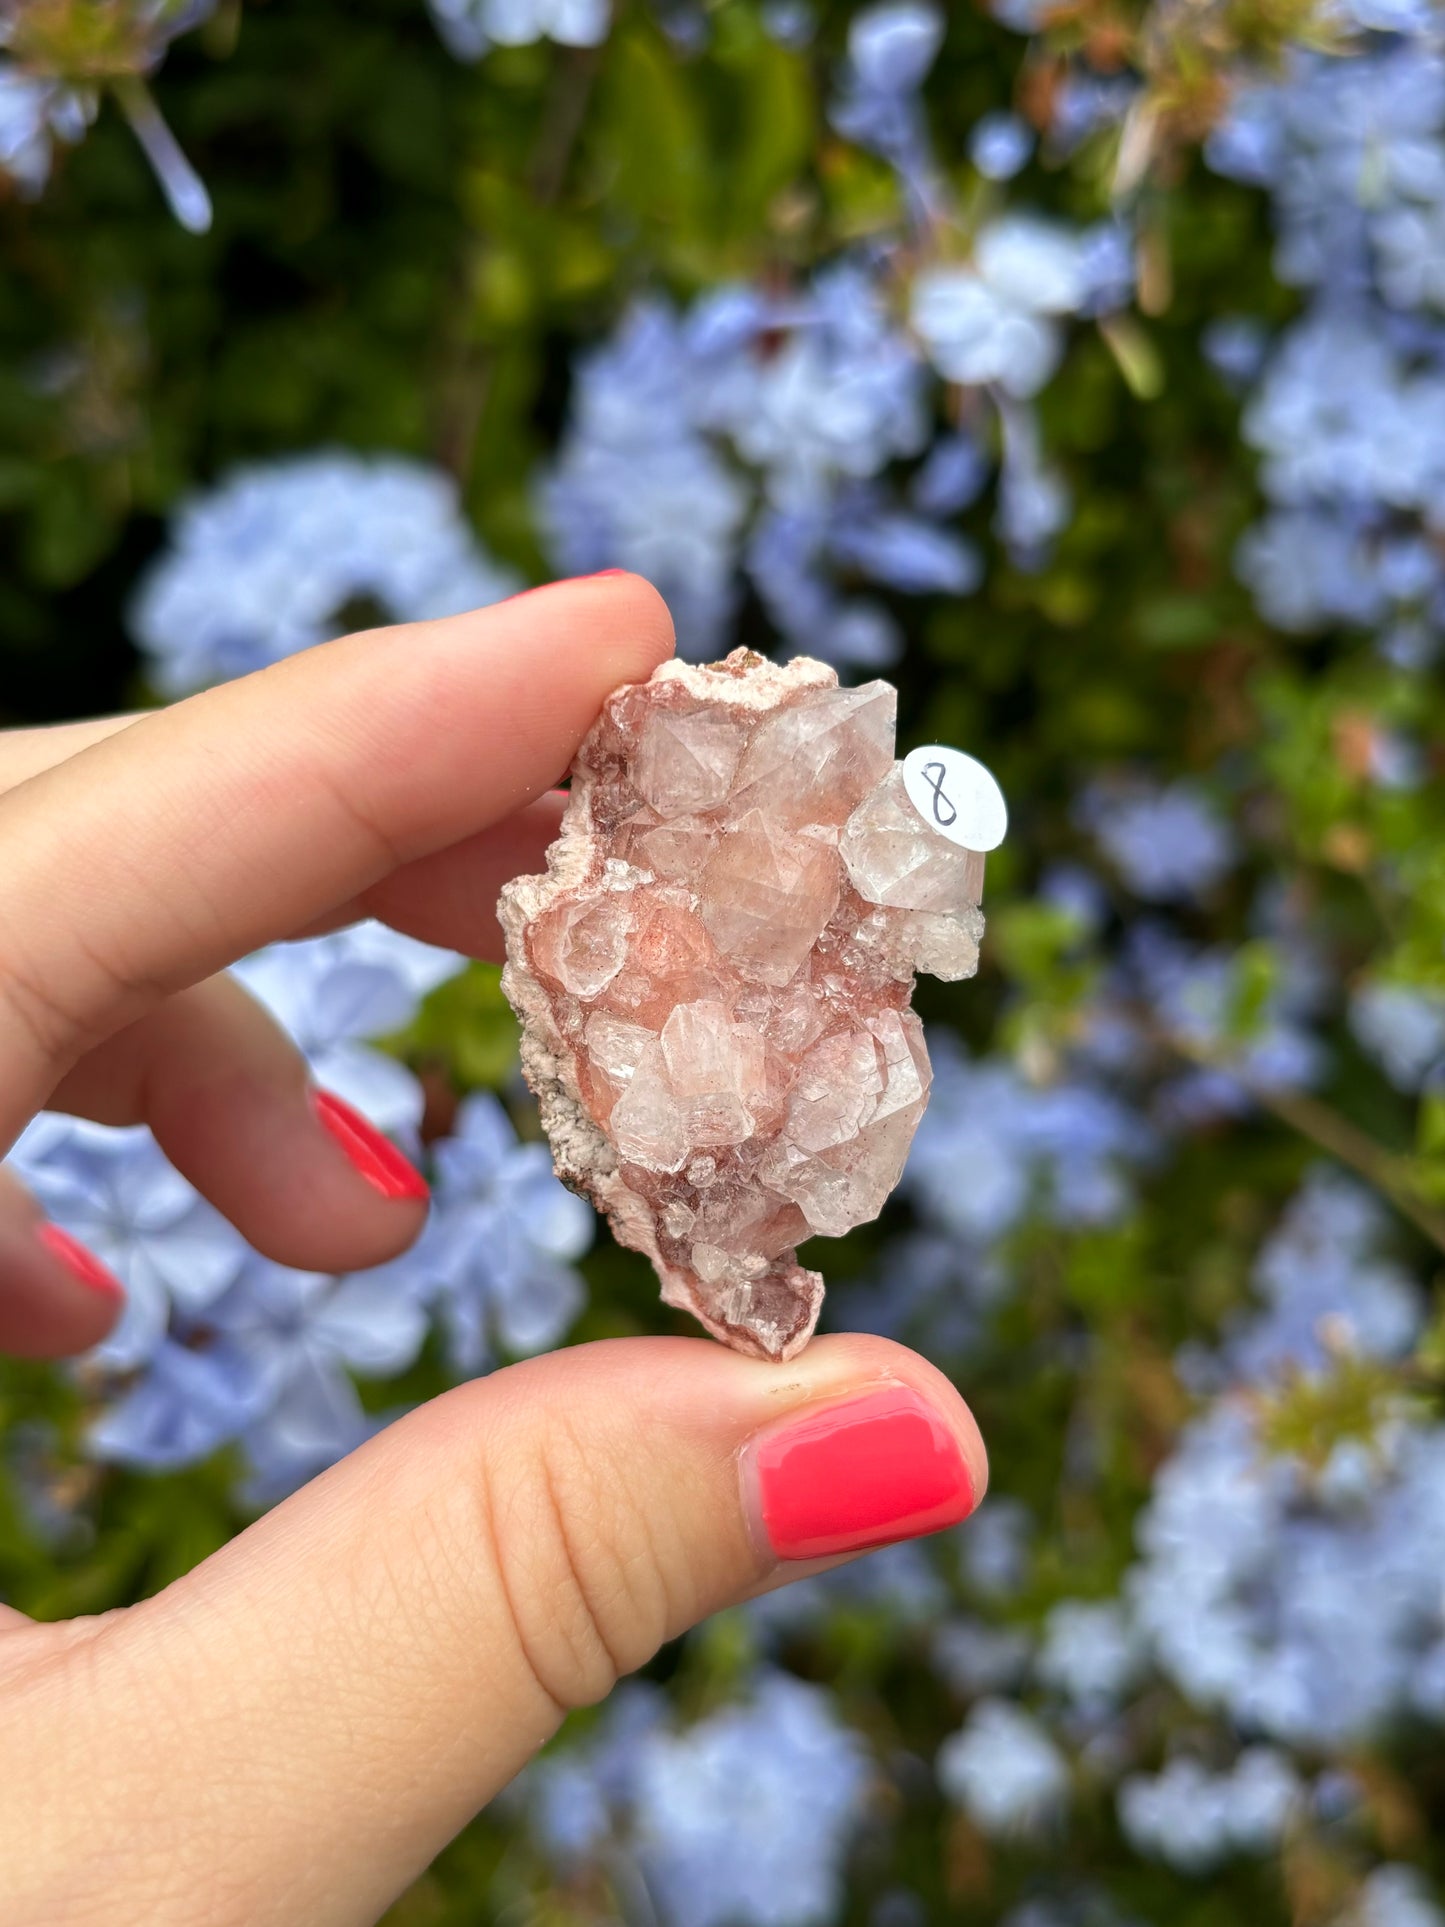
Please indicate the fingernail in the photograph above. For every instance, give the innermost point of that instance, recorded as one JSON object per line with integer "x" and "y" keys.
{"x": 600, "y": 575}
{"x": 374, "y": 1156}
{"x": 79, "y": 1262}
{"x": 863, "y": 1472}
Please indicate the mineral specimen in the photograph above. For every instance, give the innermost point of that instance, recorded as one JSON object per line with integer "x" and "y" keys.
{"x": 713, "y": 977}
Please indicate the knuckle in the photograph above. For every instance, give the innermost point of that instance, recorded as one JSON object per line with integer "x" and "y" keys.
{"x": 380, "y": 848}
{"x": 57, "y": 1014}
{"x": 585, "y": 1589}
{"x": 33, "y": 1015}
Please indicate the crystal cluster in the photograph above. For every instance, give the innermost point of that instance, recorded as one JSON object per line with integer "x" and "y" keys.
{"x": 713, "y": 977}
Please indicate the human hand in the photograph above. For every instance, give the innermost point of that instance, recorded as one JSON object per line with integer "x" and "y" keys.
{"x": 292, "y": 1732}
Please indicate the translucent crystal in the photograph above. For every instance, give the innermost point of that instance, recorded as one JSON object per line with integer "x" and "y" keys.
{"x": 766, "y": 894}
{"x": 714, "y": 973}
{"x": 685, "y": 762}
{"x": 892, "y": 856}
{"x": 814, "y": 760}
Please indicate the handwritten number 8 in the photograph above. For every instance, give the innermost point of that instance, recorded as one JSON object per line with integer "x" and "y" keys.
{"x": 935, "y": 773}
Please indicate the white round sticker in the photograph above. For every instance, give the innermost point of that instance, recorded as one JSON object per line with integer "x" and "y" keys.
{"x": 955, "y": 796}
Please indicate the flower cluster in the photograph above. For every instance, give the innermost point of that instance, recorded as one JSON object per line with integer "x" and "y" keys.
{"x": 1346, "y": 410}
{"x": 286, "y": 554}
{"x": 471, "y": 27}
{"x": 782, "y": 417}
{"x": 56, "y": 58}
{"x": 218, "y": 1344}
{"x": 740, "y": 1820}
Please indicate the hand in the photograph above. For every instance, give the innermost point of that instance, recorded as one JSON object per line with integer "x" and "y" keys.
{"x": 291, "y": 1733}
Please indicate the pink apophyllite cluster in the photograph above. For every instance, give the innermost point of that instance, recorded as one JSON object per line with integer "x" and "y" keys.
{"x": 713, "y": 977}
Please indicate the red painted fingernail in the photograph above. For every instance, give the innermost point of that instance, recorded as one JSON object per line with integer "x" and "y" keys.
{"x": 81, "y": 1263}
{"x": 375, "y": 1156}
{"x": 600, "y": 575}
{"x": 860, "y": 1473}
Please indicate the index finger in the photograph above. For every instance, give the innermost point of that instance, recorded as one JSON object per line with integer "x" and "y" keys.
{"x": 239, "y": 816}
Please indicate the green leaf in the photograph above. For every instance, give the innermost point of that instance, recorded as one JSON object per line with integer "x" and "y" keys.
{"x": 466, "y": 1024}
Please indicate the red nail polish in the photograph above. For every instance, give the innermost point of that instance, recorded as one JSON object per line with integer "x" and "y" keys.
{"x": 374, "y": 1156}
{"x": 600, "y": 575}
{"x": 860, "y": 1473}
{"x": 81, "y": 1264}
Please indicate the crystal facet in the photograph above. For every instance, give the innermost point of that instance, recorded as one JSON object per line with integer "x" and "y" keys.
{"x": 714, "y": 974}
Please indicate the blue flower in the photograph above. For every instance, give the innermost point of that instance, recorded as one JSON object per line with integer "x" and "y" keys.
{"x": 35, "y": 113}
{"x": 741, "y": 1820}
{"x": 1192, "y": 995}
{"x": 994, "y": 321}
{"x": 747, "y": 1816}
{"x": 302, "y": 1335}
{"x": 890, "y": 51}
{"x": 952, "y": 476}
{"x": 1324, "y": 1285}
{"x": 1033, "y": 500}
{"x": 908, "y": 553}
{"x": 637, "y": 485}
{"x": 1396, "y": 1896}
{"x": 841, "y": 396}
{"x": 1235, "y": 347}
{"x": 275, "y": 558}
{"x": 186, "y": 1404}
{"x": 792, "y": 23}
{"x": 892, "y": 47}
{"x": 218, "y": 1344}
{"x": 1309, "y": 568}
{"x": 1091, "y": 1652}
{"x": 506, "y": 1231}
{"x": 332, "y": 993}
{"x": 117, "y": 1193}
{"x": 1194, "y": 1819}
{"x": 974, "y": 1657}
{"x": 1004, "y": 1771}
{"x": 1168, "y": 844}
{"x": 1402, "y": 1028}
{"x": 470, "y": 27}
{"x": 898, "y": 1585}
{"x": 1000, "y": 146}
{"x": 1257, "y": 1580}
{"x": 1063, "y": 1147}
{"x": 1339, "y": 415}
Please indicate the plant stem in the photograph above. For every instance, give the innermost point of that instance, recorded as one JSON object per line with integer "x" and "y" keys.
{"x": 1322, "y": 1125}
{"x": 561, "y": 125}
{"x": 1352, "y": 1146}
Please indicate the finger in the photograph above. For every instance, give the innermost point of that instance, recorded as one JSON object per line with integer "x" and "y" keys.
{"x": 26, "y": 752}
{"x": 304, "y": 1721}
{"x": 228, "y": 1096}
{"x": 450, "y": 897}
{"x": 446, "y": 898}
{"x": 153, "y": 858}
{"x": 56, "y": 1299}
{"x": 305, "y": 1178}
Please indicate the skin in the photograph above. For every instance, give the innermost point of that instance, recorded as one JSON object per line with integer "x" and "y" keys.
{"x": 292, "y": 1732}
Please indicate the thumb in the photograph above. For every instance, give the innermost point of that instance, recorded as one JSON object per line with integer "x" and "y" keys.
{"x": 298, "y": 1727}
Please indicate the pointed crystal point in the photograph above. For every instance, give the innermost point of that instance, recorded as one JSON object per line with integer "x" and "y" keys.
{"x": 686, "y": 762}
{"x": 815, "y": 760}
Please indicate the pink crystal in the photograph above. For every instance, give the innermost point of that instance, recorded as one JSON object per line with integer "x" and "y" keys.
{"x": 713, "y": 977}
